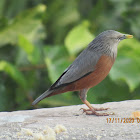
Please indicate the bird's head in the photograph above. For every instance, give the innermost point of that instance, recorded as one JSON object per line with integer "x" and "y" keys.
{"x": 114, "y": 36}
{"x": 107, "y": 42}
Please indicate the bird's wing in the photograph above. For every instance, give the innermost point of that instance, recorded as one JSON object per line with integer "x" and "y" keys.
{"x": 82, "y": 66}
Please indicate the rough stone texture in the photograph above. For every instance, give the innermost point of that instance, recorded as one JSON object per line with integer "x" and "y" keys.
{"x": 79, "y": 126}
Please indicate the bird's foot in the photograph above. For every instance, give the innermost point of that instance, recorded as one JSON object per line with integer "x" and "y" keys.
{"x": 100, "y": 109}
{"x": 98, "y": 114}
{"x": 96, "y": 109}
{"x": 93, "y": 112}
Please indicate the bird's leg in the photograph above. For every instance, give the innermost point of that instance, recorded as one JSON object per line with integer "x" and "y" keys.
{"x": 93, "y": 112}
{"x": 96, "y": 109}
{"x": 83, "y": 95}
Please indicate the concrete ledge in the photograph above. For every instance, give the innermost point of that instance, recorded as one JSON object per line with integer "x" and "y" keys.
{"x": 72, "y": 123}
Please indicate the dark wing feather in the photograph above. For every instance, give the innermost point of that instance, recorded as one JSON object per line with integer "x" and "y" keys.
{"x": 83, "y": 65}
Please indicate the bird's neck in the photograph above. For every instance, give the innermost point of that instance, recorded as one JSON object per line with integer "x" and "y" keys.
{"x": 112, "y": 52}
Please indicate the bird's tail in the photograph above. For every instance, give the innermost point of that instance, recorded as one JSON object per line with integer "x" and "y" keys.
{"x": 41, "y": 97}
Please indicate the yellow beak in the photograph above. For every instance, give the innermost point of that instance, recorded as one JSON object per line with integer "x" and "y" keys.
{"x": 129, "y": 36}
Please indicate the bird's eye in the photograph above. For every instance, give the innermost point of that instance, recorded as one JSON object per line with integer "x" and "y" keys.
{"x": 119, "y": 38}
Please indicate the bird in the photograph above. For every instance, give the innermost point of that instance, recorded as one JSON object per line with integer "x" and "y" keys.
{"x": 90, "y": 68}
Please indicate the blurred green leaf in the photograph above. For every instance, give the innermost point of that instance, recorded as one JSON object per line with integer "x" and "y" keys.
{"x": 57, "y": 60}
{"x": 13, "y": 72}
{"x": 3, "y": 23}
{"x": 78, "y": 38}
{"x": 32, "y": 52}
{"x": 109, "y": 91}
{"x": 59, "y": 24}
{"x": 25, "y": 45}
{"x": 128, "y": 70}
{"x": 130, "y": 48}
{"x": 3, "y": 98}
{"x": 135, "y": 24}
{"x": 27, "y": 23}
{"x": 127, "y": 66}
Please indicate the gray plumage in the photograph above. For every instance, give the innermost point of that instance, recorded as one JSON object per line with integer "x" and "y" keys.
{"x": 86, "y": 61}
{"x": 44, "y": 95}
{"x": 104, "y": 44}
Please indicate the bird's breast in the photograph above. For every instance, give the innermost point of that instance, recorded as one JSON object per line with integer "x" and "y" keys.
{"x": 100, "y": 71}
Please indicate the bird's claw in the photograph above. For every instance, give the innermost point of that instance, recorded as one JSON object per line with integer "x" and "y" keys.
{"x": 84, "y": 110}
{"x": 100, "y": 109}
{"x": 93, "y": 112}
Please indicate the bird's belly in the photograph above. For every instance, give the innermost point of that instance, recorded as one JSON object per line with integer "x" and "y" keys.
{"x": 101, "y": 70}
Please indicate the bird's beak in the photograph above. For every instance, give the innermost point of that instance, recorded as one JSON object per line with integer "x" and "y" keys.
{"x": 129, "y": 36}
{"x": 125, "y": 36}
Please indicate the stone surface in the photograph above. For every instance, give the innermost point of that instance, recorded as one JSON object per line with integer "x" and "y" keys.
{"x": 34, "y": 124}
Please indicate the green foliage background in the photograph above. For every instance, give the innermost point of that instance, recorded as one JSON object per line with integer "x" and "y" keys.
{"x": 40, "y": 38}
